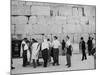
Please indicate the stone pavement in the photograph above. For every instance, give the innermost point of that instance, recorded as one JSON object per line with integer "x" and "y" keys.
{"x": 77, "y": 64}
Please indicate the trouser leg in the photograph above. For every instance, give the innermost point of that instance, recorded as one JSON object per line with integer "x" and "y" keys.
{"x": 57, "y": 57}
{"x": 82, "y": 55}
{"x": 54, "y": 57}
{"x": 38, "y": 63}
{"x": 34, "y": 63}
{"x": 68, "y": 58}
{"x": 45, "y": 57}
{"x": 49, "y": 56}
{"x": 85, "y": 55}
{"x": 24, "y": 58}
{"x": 45, "y": 62}
{"x": 89, "y": 51}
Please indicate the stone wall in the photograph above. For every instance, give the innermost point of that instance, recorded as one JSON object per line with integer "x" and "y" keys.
{"x": 31, "y": 18}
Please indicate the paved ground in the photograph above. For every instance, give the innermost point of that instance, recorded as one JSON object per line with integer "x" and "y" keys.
{"x": 77, "y": 64}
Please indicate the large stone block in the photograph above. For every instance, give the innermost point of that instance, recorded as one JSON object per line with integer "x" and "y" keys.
{"x": 13, "y": 20}
{"x": 92, "y": 20}
{"x": 90, "y": 11}
{"x": 47, "y": 29}
{"x": 38, "y": 29}
{"x": 84, "y": 20}
{"x": 29, "y": 3}
{"x": 32, "y": 20}
{"x": 69, "y": 28}
{"x": 85, "y": 28}
{"x": 75, "y": 11}
{"x": 21, "y": 2}
{"x": 14, "y": 2}
{"x": 60, "y": 20}
{"x": 28, "y": 29}
{"x": 21, "y": 20}
{"x": 41, "y": 20}
{"x": 73, "y": 28}
{"x": 65, "y": 11}
{"x": 80, "y": 12}
{"x": 49, "y": 20}
{"x": 40, "y": 10}
{"x": 20, "y": 28}
{"x": 20, "y": 10}
{"x": 54, "y": 11}
{"x": 12, "y": 29}
{"x": 78, "y": 28}
{"x": 72, "y": 20}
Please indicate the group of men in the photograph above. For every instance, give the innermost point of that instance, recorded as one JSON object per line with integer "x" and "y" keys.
{"x": 30, "y": 51}
{"x": 91, "y": 47}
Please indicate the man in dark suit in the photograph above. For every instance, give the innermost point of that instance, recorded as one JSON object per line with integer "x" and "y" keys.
{"x": 89, "y": 43}
{"x": 83, "y": 49}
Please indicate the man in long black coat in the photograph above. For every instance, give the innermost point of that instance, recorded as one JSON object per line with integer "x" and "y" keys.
{"x": 89, "y": 43}
{"x": 83, "y": 49}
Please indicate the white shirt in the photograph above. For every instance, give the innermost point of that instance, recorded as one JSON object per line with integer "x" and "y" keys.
{"x": 68, "y": 43}
{"x": 56, "y": 44}
{"x": 26, "y": 47}
{"x": 49, "y": 43}
{"x": 45, "y": 45}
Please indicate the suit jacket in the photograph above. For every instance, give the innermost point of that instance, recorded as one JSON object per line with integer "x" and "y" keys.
{"x": 83, "y": 45}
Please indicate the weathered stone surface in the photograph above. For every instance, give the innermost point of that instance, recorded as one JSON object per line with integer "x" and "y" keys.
{"x": 33, "y": 20}
{"x": 20, "y": 28}
{"x": 41, "y": 20}
{"x": 75, "y": 11}
{"x": 65, "y": 11}
{"x": 29, "y": 3}
{"x": 13, "y": 20}
{"x": 90, "y": 11}
{"x": 80, "y": 13}
{"x": 20, "y": 10}
{"x": 40, "y": 10}
{"x": 14, "y": 2}
{"x": 21, "y": 20}
{"x": 72, "y": 20}
{"x": 54, "y": 11}
{"x": 21, "y": 2}
{"x": 52, "y": 19}
{"x": 12, "y": 29}
{"x": 84, "y": 20}
{"x": 60, "y": 20}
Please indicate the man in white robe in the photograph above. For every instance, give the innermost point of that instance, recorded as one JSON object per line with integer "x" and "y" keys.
{"x": 35, "y": 52}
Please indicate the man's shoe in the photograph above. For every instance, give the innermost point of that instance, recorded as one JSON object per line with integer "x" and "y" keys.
{"x": 53, "y": 64}
{"x": 58, "y": 64}
{"x": 69, "y": 66}
{"x": 66, "y": 65}
{"x": 12, "y": 67}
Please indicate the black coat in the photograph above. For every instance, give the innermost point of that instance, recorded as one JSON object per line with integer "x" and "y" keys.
{"x": 69, "y": 50}
{"x": 89, "y": 43}
{"x": 83, "y": 45}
